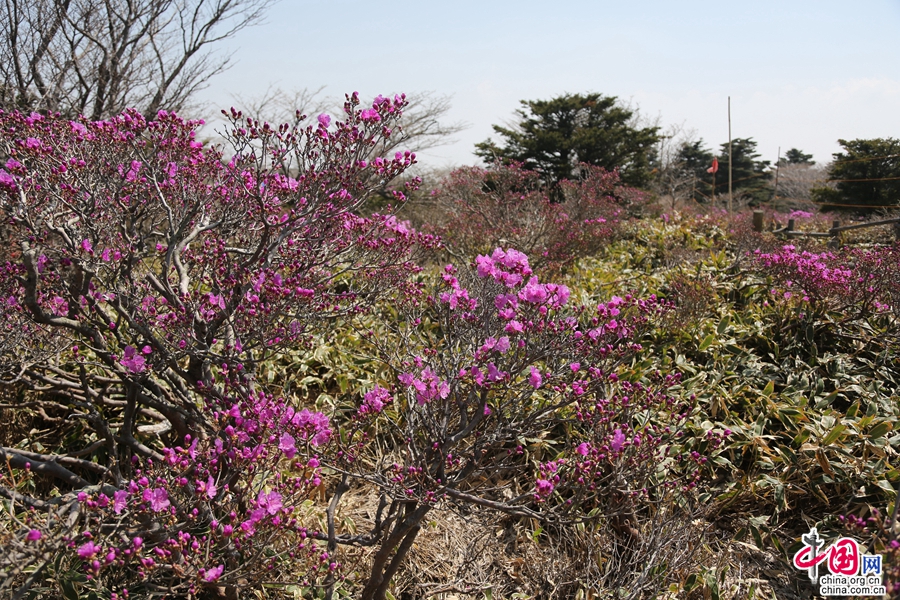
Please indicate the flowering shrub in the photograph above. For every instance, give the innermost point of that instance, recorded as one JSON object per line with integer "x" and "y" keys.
{"x": 477, "y": 209}
{"x": 853, "y": 281}
{"x": 490, "y": 366}
{"x": 217, "y": 512}
{"x": 151, "y": 276}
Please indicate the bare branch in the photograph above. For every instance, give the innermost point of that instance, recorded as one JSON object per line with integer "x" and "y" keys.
{"x": 77, "y": 56}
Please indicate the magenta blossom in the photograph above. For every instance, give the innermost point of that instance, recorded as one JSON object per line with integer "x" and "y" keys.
{"x": 88, "y": 550}
{"x": 287, "y": 445}
{"x": 120, "y": 501}
{"x": 535, "y": 378}
{"x": 133, "y": 361}
{"x": 618, "y": 441}
{"x": 543, "y": 487}
{"x": 158, "y": 499}
{"x": 375, "y": 400}
{"x": 208, "y": 487}
{"x": 270, "y": 501}
{"x": 213, "y": 574}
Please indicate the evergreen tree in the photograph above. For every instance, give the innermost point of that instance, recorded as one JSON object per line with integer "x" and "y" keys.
{"x": 865, "y": 175}
{"x": 693, "y": 160}
{"x": 750, "y": 176}
{"x": 795, "y": 156}
{"x": 552, "y": 137}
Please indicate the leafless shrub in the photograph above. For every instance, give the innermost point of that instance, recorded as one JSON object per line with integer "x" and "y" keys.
{"x": 97, "y": 58}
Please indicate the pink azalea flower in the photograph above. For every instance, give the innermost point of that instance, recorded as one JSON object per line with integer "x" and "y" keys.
{"x": 34, "y": 535}
{"x": 158, "y": 499}
{"x": 287, "y": 445}
{"x": 88, "y": 550}
{"x": 133, "y": 361}
{"x": 209, "y": 487}
{"x": 213, "y": 574}
{"x": 369, "y": 114}
{"x": 543, "y": 487}
{"x": 377, "y": 398}
{"x": 120, "y": 501}
{"x": 485, "y": 266}
{"x": 618, "y": 441}
{"x": 271, "y": 502}
{"x": 321, "y": 437}
{"x": 535, "y": 378}
{"x": 7, "y": 180}
{"x": 514, "y": 327}
{"x": 533, "y": 292}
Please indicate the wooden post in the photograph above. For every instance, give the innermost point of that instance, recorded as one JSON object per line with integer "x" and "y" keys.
{"x": 790, "y": 226}
{"x": 730, "y": 197}
{"x": 775, "y": 189}
{"x": 758, "y": 216}
{"x": 835, "y": 241}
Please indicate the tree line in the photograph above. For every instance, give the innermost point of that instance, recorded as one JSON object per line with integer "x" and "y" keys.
{"x": 553, "y": 137}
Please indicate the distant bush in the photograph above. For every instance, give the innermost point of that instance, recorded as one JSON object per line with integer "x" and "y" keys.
{"x": 477, "y": 209}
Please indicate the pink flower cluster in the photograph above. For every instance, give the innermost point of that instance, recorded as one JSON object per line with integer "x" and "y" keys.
{"x": 186, "y": 490}
{"x": 375, "y": 400}
{"x": 848, "y": 280}
{"x": 510, "y": 267}
{"x": 427, "y": 385}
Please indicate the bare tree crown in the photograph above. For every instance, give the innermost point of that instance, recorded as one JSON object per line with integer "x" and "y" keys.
{"x": 98, "y": 57}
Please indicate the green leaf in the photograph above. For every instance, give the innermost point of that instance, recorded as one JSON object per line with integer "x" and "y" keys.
{"x": 723, "y": 324}
{"x": 823, "y": 402}
{"x": 880, "y": 429}
{"x": 770, "y": 388}
{"x": 779, "y": 547}
{"x": 800, "y": 438}
{"x": 69, "y": 590}
{"x": 834, "y": 434}
{"x": 690, "y": 583}
{"x": 707, "y": 342}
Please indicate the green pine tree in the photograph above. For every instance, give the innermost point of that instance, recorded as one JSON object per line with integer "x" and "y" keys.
{"x": 553, "y": 136}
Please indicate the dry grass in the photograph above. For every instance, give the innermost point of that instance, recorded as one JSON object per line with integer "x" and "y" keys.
{"x": 462, "y": 553}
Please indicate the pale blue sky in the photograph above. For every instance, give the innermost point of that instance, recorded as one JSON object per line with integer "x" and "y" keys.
{"x": 800, "y": 73}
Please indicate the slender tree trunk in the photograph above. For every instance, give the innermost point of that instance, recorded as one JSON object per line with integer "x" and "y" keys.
{"x": 402, "y": 537}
